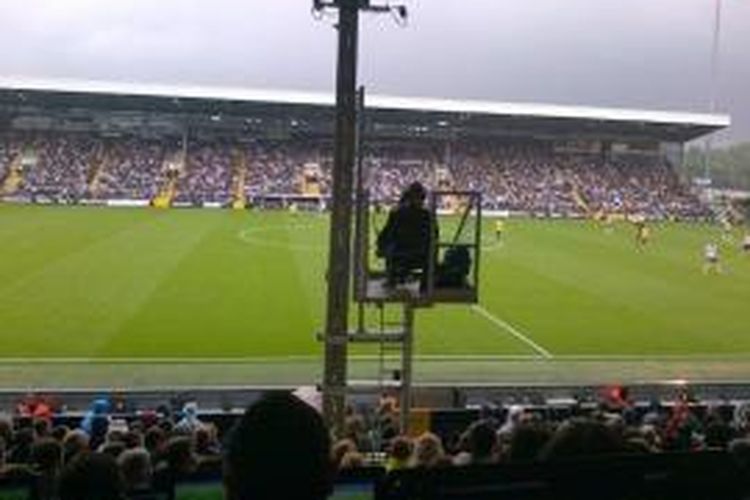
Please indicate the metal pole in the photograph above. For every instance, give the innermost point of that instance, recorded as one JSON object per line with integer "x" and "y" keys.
{"x": 361, "y": 248}
{"x": 715, "y": 56}
{"x": 339, "y": 256}
{"x": 406, "y": 367}
{"x": 714, "y": 83}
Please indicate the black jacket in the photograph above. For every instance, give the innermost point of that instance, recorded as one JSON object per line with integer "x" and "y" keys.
{"x": 407, "y": 234}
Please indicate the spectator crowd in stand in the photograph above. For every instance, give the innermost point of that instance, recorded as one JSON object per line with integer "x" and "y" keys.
{"x": 529, "y": 177}
{"x": 208, "y": 174}
{"x": 281, "y": 444}
{"x": 102, "y": 455}
{"x": 522, "y": 433}
{"x": 132, "y": 169}
{"x": 61, "y": 166}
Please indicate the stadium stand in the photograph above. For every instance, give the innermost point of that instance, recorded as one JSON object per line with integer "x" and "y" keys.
{"x": 522, "y": 177}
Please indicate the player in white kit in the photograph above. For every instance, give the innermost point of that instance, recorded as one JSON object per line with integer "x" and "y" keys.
{"x": 711, "y": 258}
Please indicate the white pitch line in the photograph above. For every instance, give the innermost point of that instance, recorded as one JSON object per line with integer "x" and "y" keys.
{"x": 512, "y": 330}
{"x": 6, "y": 362}
{"x": 249, "y": 359}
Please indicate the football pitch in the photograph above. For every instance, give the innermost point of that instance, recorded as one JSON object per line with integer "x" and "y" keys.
{"x": 227, "y": 288}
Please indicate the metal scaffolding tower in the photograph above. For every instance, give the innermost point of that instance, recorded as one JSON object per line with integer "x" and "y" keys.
{"x": 394, "y": 337}
{"x": 339, "y": 258}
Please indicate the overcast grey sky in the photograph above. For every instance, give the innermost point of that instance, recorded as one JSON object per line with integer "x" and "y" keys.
{"x": 631, "y": 53}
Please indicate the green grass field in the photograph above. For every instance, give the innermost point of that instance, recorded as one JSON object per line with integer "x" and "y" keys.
{"x": 121, "y": 283}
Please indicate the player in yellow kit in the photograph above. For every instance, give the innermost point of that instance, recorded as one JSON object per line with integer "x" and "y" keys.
{"x": 642, "y": 233}
{"x": 499, "y": 228}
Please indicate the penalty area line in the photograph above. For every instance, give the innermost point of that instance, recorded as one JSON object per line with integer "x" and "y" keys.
{"x": 512, "y": 330}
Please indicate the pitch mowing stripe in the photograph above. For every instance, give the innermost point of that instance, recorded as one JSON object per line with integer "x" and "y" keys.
{"x": 512, "y": 330}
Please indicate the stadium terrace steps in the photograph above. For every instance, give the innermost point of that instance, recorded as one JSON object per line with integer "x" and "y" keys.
{"x": 579, "y": 200}
{"x": 13, "y": 180}
{"x": 99, "y": 164}
{"x": 166, "y": 194}
{"x": 239, "y": 167}
{"x": 173, "y": 168}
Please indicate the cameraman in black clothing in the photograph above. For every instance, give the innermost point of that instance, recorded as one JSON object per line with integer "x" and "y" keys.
{"x": 406, "y": 239}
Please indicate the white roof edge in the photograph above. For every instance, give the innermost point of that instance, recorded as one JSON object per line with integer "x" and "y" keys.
{"x": 374, "y": 101}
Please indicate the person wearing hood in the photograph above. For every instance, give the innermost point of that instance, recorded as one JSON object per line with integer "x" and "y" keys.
{"x": 189, "y": 423}
{"x": 96, "y": 422}
{"x": 406, "y": 240}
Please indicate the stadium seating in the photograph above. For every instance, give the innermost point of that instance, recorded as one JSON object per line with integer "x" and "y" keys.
{"x": 526, "y": 177}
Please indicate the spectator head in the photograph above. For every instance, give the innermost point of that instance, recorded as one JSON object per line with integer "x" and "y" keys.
{"x": 93, "y": 476}
{"x": 340, "y": 449}
{"x": 180, "y": 456}
{"x": 428, "y": 451}
{"x": 149, "y": 418}
{"x": 280, "y": 448}
{"x": 47, "y": 455}
{"x": 582, "y": 438}
{"x": 401, "y": 448}
{"x": 354, "y": 427}
{"x": 96, "y": 421}
{"x": 112, "y": 448}
{"x": 77, "y": 441}
{"x": 189, "y": 422}
{"x": 21, "y": 451}
{"x": 352, "y": 460}
{"x": 718, "y": 434}
{"x": 388, "y": 405}
{"x": 651, "y": 436}
{"x": 166, "y": 425}
{"x": 59, "y": 432}
{"x": 526, "y": 441}
{"x": 3, "y": 448}
{"x": 114, "y": 435}
{"x": 154, "y": 440}
{"x": 41, "y": 427}
{"x": 6, "y": 429}
{"x": 740, "y": 451}
{"x": 136, "y": 468}
{"x": 414, "y": 195}
{"x": 482, "y": 442}
{"x": 400, "y": 451}
{"x": 514, "y": 416}
{"x": 205, "y": 440}
{"x": 133, "y": 439}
